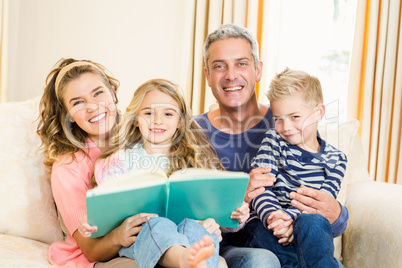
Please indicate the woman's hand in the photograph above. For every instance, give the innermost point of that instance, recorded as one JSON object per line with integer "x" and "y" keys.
{"x": 212, "y": 227}
{"x": 84, "y": 228}
{"x": 126, "y": 233}
{"x": 242, "y": 213}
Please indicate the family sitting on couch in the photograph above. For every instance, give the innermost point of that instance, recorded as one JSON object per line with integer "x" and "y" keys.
{"x": 295, "y": 175}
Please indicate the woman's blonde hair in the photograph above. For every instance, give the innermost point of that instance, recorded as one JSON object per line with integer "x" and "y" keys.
{"x": 190, "y": 147}
{"x": 58, "y": 134}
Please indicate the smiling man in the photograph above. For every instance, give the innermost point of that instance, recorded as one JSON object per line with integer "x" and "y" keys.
{"x": 236, "y": 129}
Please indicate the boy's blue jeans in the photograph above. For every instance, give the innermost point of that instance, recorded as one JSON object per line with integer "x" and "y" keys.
{"x": 158, "y": 234}
{"x": 313, "y": 242}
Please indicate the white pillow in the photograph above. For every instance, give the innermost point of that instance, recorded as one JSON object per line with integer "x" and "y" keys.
{"x": 342, "y": 138}
{"x": 27, "y": 207}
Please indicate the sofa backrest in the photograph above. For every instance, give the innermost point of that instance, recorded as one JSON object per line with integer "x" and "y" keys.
{"x": 27, "y": 207}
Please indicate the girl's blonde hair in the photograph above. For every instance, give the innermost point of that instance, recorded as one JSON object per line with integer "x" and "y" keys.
{"x": 293, "y": 82}
{"x": 58, "y": 134}
{"x": 190, "y": 147}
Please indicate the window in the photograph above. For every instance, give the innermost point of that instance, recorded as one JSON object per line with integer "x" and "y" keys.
{"x": 315, "y": 36}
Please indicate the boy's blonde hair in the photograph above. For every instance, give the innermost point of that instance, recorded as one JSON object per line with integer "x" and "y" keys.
{"x": 190, "y": 147}
{"x": 292, "y": 82}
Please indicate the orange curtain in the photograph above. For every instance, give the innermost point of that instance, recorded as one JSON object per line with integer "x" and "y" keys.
{"x": 375, "y": 86}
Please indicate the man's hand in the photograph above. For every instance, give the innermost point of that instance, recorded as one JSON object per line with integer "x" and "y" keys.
{"x": 259, "y": 179}
{"x": 312, "y": 201}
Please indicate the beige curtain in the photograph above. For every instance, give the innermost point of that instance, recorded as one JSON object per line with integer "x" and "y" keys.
{"x": 375, "y": 86}
{"x": 3, "y": 48}
{"x": 206, "y": 16}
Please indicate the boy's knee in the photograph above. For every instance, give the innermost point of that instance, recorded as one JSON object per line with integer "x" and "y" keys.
{"x": 311, "y": 222}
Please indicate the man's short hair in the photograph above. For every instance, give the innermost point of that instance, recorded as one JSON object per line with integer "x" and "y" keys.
{"x": 231, "y": 31}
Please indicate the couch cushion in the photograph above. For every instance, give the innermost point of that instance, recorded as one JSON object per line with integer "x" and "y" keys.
{"x": 343, "y": 138}
{"x": 373, "y": 237}
{"x": 21, "y": 252}
{"x": 27, "y": 207}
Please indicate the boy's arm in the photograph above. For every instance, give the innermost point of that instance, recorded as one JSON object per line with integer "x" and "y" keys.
{"x": 267, "y": 156}
{"x": 292, "y": 212}
{"x": 334, "y": 176}
{"x": 265, "y": 204}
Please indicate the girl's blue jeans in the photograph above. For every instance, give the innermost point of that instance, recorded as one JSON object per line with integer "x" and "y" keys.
{"x": 158, "y": 234}
{"x": 313, "y": 242}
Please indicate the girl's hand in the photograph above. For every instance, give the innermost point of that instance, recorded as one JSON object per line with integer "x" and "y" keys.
{"x": 212, "y": 227}
{"x": 127, "y": 232}
{"x": 84, "y": 228}
{"x": 242, "y": 213}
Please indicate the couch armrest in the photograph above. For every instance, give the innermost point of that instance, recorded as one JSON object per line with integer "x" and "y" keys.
{"x": 373, "y": 237}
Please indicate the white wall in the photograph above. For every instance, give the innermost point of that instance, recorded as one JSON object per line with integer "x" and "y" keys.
{"x": 136, "y": 40}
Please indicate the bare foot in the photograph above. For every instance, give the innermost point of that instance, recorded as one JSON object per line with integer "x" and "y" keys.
{"x": 196, "y": 255}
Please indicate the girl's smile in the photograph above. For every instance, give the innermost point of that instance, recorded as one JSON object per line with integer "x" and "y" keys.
{"x": 158, "y": 120}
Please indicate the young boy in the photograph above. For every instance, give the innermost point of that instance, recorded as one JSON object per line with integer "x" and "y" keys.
{"x": 297, "y": 156}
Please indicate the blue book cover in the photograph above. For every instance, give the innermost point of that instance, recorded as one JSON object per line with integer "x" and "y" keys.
{"x": 191, "y": 193}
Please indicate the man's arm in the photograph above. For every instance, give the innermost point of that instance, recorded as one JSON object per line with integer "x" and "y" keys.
{"x": 315, "y": 201}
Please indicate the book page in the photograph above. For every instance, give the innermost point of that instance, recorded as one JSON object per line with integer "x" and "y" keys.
{"x": 136, "y": 179}
{"x": 203, "y": 173}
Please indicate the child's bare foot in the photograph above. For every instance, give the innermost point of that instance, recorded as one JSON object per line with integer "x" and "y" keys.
{"x": 196, "y": 255}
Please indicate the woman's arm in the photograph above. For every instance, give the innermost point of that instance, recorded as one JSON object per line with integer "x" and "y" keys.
{"x": 106, "y": 247}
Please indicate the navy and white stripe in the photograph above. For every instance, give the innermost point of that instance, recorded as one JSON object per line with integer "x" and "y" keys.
{"x": 292, "y": 166}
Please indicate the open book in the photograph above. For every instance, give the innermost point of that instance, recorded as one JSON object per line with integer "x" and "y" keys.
{"x": 191, "y": 193}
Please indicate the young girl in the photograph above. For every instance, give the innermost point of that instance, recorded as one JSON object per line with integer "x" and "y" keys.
{"x": 77, "y": 116}
{"x": 159, "y": 130}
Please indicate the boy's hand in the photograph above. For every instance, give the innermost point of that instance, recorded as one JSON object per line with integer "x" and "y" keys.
{"x": 282, "y": 226}
{"x": 212, "y": 227}
{"x": 259, "y": 179}
{"x": 84, "y": 228}
{"x": 242, "y": 213}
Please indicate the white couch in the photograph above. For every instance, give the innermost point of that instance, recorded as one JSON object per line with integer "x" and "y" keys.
{"x": 29, "y": 224}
